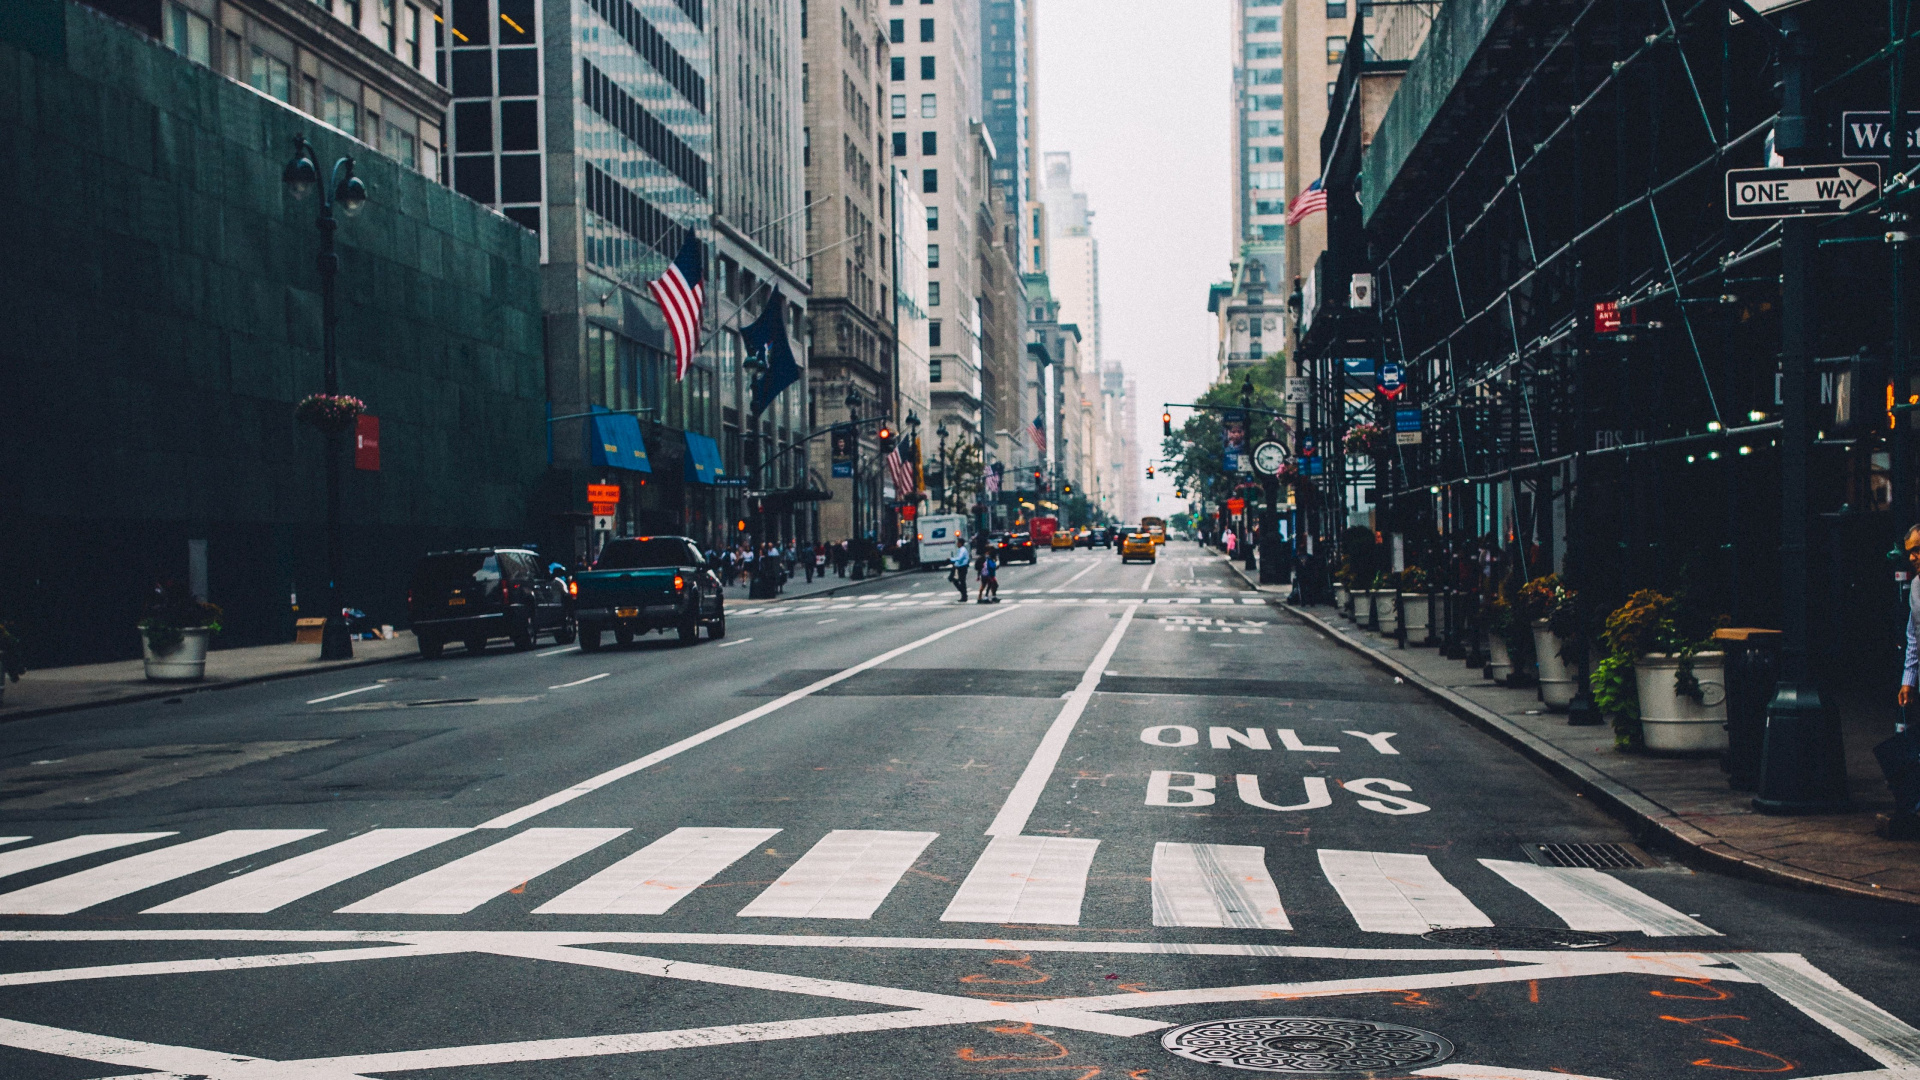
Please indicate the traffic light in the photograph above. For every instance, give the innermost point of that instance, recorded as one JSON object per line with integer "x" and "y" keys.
{"x": 1068, "y": 489}
{"x": 1166, "y": 424}
{"x": 885, "y": 436}
{"x": 1149, "y": 472}
{"x": 1179, "y": 493}
{"x": 1036, "y": 479}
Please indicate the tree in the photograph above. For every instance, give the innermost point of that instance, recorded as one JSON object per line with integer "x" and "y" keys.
{"x": 1197, "y": 451}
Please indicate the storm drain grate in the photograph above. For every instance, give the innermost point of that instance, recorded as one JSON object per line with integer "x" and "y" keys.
{"x": 1595, "y": 856}
{"x": 1306, "y": 1045}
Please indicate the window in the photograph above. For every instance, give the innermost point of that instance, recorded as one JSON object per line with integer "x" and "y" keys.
{"x": 806, "y": 147}
{"x": 1036, "y": 224}
{"x": 519, "y": 72}
{"x": 413, "y": 36}
{"x": 899, "y": 106}
{"x": 1270, "y": 154}
{"x": 270, "y": 75}
{"x": 930, "y": 181}
{"x": 343, "y": 113}
{"x": 1271, "y": 76}
{"x": 1263, "y": 26}
{"x": 1336, "y": 49}
{"x": 1331, "y": 87}
{"x": 933, "y": 368}
{"x": 897, "y": 31}
{"x": 1270, "y": 206}
{"x": 926, "y": 67}
{"x": 389, "y": 30}
{"x": 1267, "y": 181}
{"x": 929, "y": 106}
{"x": 929, "y": 143}
{"x": 926, "y": 29}
{"x": 933, "y": 294}
{"x": 1264, "y": 52}
{"x": 933, "y": 219}
{"x": 1266, "y": 129}
{"x": 351, "y": 13}
{"x": 933, "y": 256}
{"x": 1269, "y": 103}
{"x": 898, "y": 68}
{"x": 933, "y": 333}
{"x": 400, "y": 146}
{"x": 1336, "y": 9}
{"x": 189, "y": 35}
{"x": 899, "y": 144}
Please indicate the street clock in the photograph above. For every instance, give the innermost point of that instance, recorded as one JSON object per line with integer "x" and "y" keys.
{"x": 1268, "y": 457}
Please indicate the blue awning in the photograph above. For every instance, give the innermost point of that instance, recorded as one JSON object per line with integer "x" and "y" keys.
{"x": 613, "y": 440}
{"x": 703, "y": 460}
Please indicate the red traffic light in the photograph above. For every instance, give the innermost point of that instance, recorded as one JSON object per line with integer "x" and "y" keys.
{"x": 1166, "y": 424}
{"x": 1149, "y": 472}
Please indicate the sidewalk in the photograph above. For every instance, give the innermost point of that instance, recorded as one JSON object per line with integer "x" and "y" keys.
{"x": 1686, "y": 799}
{"x": 798, "y": 586}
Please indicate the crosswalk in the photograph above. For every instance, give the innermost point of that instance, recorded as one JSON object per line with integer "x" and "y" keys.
{"x": 848, "y": 874}
{"x": 895, "y": 601}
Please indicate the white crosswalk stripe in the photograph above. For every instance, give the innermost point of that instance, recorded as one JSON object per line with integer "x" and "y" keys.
{"x": 1590, "y": 900}
{"x": 466, "y": 883}
{"x": 844, "y": 876}
{"x": 76, "y": 892}
{"x": 658, "y": 876}
{"x": 23, "y": 859}
{"x": 1025, "y": 879}
{"x": 303, "y": 875}
{"x": 1215, "y": 885}
{"x": 1397, "y": 894}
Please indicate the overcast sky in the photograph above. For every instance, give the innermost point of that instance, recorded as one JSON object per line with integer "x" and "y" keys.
{"x": 1142, "y": 102}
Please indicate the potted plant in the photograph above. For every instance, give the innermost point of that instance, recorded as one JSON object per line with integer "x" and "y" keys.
{"x": 1499, "y": 626}
{"x": 1386, "y": 594}
{"x": 175, "y": 634}
{"x": 12, "y": 663}
{"x": 1665, "y": 690}
{"x": 332, "y": 414}
{"x": 1366, "y": 439}
{"x": 1541, "y": 600}
{"x": 1416, "y": 605}
{"x": 1341, "y": 577}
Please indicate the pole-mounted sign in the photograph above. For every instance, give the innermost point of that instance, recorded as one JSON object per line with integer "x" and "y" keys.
{"x": 1800, "y": 190}
{"x": 1392, "y": 380}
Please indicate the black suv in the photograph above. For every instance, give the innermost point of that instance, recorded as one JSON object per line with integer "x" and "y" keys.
{"x": 478, "y": 594}
{"x": 1015, "y": 547}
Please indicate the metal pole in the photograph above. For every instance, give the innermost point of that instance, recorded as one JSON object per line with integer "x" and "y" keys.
{"x": 1900, "y": 440}
{"x": 336, "y": 643}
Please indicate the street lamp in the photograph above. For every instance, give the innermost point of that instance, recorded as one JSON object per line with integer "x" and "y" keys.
{"x": 345, "y": 190}
{"x": 946, "y": 471}
{"x": 853, "y": 445}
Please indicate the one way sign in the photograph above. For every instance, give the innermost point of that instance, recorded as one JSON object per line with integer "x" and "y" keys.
{"x": 1800, "y": 190}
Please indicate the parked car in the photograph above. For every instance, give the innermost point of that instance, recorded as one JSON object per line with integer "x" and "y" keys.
{"x": 642, "y": 583}
{"x": 476, "y": 595}
{"x": 1015, "y": 547}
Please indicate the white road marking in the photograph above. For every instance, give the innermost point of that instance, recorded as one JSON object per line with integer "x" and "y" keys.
{"x": 1012, "y": 818}
{"x": 844, "y": 876}
{"x": 1397, "y": 894}
{"x": 76, "y": 892}
{"x": 1292, "y": 742}
{"x": 346, "y": 693}
{"x": 1215, "y": 885}
{"x": 1318, "y": 798}
{"x": 1587, "y": 899}
{"x": 570, "y": 648}
{"x": 595, "y": 783}
{"x": 1062, "y": 587}
{"x": 578, "y": 682}
{"x": 73, "y": 847}
{"x": 1378, "y": 739}
{"x": 221, "y": 963}
{"x": 1457, "y": 1071}
{"x": 1872, "y": 1030}
{"x": 466, "y": 883}
{"x": 1147, "y": 583}
{"x": 1025, "y": 879}
{"x": 303, "y": 875}
{"x": 823, "y": 622}
{"x": 735, "y": 641}
{"x": 658, "y": 876}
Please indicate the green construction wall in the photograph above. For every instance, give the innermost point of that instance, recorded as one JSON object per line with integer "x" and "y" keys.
{"x": 166, "y": 319}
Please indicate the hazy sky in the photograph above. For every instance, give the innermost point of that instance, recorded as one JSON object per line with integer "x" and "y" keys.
{"x": 1142, "y": 99}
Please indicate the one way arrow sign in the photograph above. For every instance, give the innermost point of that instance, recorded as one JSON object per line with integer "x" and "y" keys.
{"x": 1800, "y": 190}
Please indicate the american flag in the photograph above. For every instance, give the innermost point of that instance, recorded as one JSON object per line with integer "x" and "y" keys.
{"x": 993, "y": 478}
{"x": 681, "y": 293}
{"x": 1309, "y": 202}
{"x": 903, "y": 482}
{"x": 1038, "y": 429}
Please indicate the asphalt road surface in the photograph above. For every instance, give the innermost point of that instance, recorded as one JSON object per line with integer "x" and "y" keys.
{"x": 885, "y": 835}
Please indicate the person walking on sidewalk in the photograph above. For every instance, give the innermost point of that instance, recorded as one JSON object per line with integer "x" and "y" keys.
{"x": 957, "y": 570}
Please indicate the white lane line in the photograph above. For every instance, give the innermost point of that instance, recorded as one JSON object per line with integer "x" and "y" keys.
{"x": 1025, "y": 879}
{"x": 75, "y": 892}
{"x": 595, "y": 783}
{"x": 1012, "y": 818}
{"x": 346, "y": 693}
{"x": 844, "y": 876}
{"x": 1148, "y": 583}
{"x": 561, "y": 652}
{"x": 578, "y": 682}
{"x": 1456, "y": 1071}
{"x": 1062, "y": 587}
{"x": 466, "y": 883}
{"x": 1587, "y": 899}
{"x": 1872, "y": 1030}
{"x": 303, "y": 875}
{"x": 658, "y": 876}
{"x": 1397, "y": 894}
{"x": 1215, "y": 885}
{"x": 735, "y": 641}
{"x": 39, "y": 855}
{"x": 823, "y": 622}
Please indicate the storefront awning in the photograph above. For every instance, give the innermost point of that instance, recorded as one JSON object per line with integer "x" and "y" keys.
{"x": 614, "y": 440}
{"x": 703, "y": 460}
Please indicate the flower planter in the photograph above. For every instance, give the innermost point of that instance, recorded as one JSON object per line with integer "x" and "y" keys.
{"x": 1672, "y": 722}
{"x": 1385, "y": 602}
{"x": 1340, "y": 597}
{"x": 1350, "y": 595}
{"x": 1417, "y": 610}
{"x": 185, "y": 662}
{"x": 1499, "y": 662}
{"x": 1559, "y": 682}
{"x": 1368, "y": 608}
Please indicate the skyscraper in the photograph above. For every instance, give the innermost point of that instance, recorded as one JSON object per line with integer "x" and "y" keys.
{"x": 1260, "y": 100}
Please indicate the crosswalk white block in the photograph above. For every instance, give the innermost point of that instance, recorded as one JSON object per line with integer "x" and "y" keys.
{"x": 1025, "y": 879}
{"x": 1390, "y": 893}
{"x": 1223, "y": 885}
{"x": 1587, "y": 899}
{"x": 844, "y": 876}
{"x": 76, "y": 892}
{"x": 466, "y": 883}
{"x": 20, "y": 860}
{"x": 303, "y": 875}
{"x": 660, "y": 875}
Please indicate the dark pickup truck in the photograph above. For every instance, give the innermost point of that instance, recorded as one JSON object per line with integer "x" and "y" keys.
{"x": 642, "y": 583}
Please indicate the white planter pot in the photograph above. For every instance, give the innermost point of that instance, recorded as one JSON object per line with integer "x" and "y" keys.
{"x": 1340, "y": 596}
{"x": 1672, "y": 722}
{"x": 1500, "y": 662}
{"x": 1389, "y": 610}
{"x": 1417, "y": 610}
{"x": 1558, "y": 679}
{"x": 185, "y": 662}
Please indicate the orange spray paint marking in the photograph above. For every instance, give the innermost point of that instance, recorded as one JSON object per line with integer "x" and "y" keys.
{"x": 1721, "y": 1038}
{"x": 1023, "y": 963}
{"x": 968, "y": 1053}
{"x": 518, "y": 889}
{"x": 1533, "y": 991}
{"x": 1714, "y": 993}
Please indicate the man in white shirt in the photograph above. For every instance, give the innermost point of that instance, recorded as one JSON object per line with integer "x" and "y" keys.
{"x": 957, "y": 570}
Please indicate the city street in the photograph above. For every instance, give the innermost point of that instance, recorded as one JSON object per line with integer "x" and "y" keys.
{"x": 884, "y": 835}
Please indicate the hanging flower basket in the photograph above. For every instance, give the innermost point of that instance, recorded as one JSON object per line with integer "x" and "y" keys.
{"x": 1291, "y": 476}
{"x": 330, "y": 413}
{"x": 1366, "y": 439}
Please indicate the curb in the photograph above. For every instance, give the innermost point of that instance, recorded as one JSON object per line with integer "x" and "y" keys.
{"x": 183, "y": 689}
{"x": 1656, "y": 822}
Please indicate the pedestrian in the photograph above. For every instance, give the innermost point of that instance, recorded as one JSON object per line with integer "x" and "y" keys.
{"x": 957, "y": 570}
{"x": 989, "y": 576}
{"x": 840, "y": 559}
{"x": 806, "y": 561}
{"x": 819, "y": 559}
{"x": 1910, "y": 673}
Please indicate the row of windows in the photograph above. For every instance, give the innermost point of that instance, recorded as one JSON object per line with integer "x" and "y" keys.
{"x": 473, "y": 72}
{"x": 1267, "y": 102}
{"x": 647, "y": 41}
{"x": 929, "y": 106}
{"x": 898, "y": 67}
{"x": 519, "y": 180}
{"x": 631, "y": 214}
{"x": 642, "y": 128}
{"x": 897, "y": 31}
{"x": 473, "y": 22}
{"x": 473, "y": 127}
{"x": 929, "y": 143}
{"x": 1272, "y": 155}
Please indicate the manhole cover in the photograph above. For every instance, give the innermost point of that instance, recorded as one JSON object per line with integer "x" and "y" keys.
{"x": 1517, "y": 937}
{"x": 1306, "y": 1045}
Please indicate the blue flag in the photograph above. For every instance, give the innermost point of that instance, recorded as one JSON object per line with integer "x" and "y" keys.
{"x": 767, "y": 338}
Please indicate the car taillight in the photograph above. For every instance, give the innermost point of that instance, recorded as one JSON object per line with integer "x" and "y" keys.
{"x": 679, "y": 582}
{"x": 573, "y": 588}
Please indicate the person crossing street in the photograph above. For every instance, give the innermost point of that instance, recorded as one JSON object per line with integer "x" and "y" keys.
{"x": 957, "y": 570}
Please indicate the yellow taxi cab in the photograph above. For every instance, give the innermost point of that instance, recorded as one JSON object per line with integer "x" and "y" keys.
{"x": 1062, "y": 540}
{"x": 1137, "y": 545}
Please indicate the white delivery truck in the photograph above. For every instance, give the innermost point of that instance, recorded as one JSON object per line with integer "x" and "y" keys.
{"x": 939, "y": 535}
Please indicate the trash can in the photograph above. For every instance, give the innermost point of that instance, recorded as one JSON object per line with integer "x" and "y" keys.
{"x": 1752, "y": 668}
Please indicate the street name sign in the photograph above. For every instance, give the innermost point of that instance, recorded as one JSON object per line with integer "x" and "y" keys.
{"x": 1800, "y": 190}
{"x": 1867, "y": 134}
